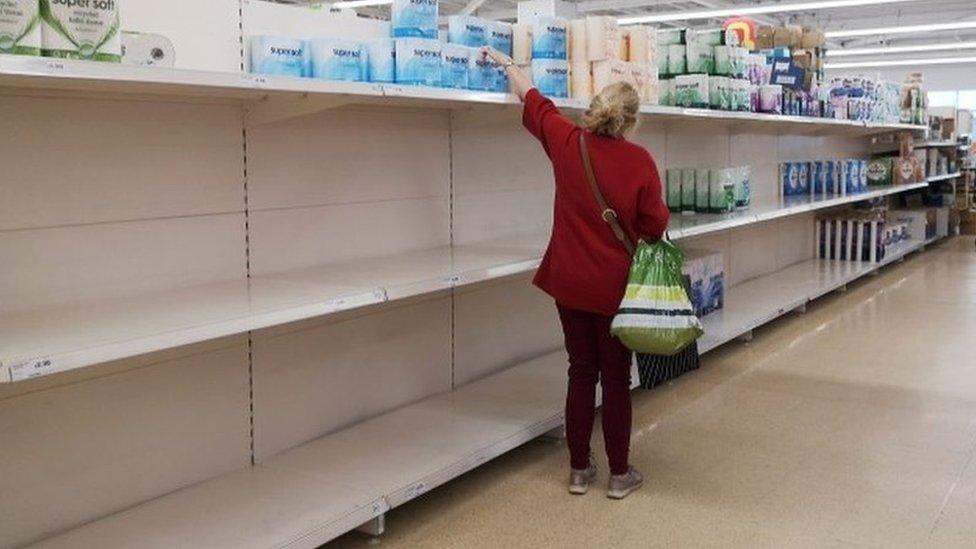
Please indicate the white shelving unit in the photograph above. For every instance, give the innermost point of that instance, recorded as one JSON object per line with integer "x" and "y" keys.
{"x": 943, "y": 177}
{"x": 935, "y": 144}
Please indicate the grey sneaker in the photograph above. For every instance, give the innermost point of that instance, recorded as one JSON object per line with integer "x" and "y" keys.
{"x": 622, "y": 486}
{"x": 580, "y": 479}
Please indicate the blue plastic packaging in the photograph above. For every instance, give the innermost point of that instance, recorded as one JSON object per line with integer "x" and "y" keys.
{"x": 414, "y": 18}
{"x": 275, "y": 55}
{"x": 467, "y": 31}
{"x": 381, "y": 59}
{"x": 418, "y": 62}
{"x": 455, "y": 66}
{"x": 337, "y": 59}
{"x": 500, "y": 36}
{"x": 551, "y": 77}
{"x": 549, "y": 38}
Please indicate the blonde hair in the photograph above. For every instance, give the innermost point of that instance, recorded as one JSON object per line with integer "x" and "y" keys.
{"x": 613, "y": 112}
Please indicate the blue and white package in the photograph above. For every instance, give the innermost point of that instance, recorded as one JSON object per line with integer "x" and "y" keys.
{"x": 418, "y": 62}
{"x": 482, "y": 74}
{"x": 337, "y": 59}
{"x": 414, "y": 18}
{"x": 549, "y": 38}
{"x": 381, "y": 59}
{"x": 499, "y": 78}
{"x": 804, "y": 177}
{"x": 790, "y": 178}
{"x": 862, "y": 175}
{"x": 551, "y": 77}
{"x": 467, "y": 31}
{"x": 817, "y": 173}
{"x": 276, "y": 55}
{"x": 455, "y": 66}
{"x": 851, "y": 176}
{"x": 500, "y": 36}
{"x": 829, "y": 177}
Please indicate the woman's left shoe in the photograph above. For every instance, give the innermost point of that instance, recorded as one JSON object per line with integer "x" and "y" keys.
{"x": 623, "y": 485}
{"x": 580, "y": 479}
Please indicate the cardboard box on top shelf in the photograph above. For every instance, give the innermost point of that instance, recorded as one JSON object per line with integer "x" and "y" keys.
{"x": 949, "y": 128}
{"x": 804, "y": 58}
{"x": 781, "y": 37}
{"x": 796, "y": 35}
{"x": 812, "y": 38}
{"x": 764, "y": 37}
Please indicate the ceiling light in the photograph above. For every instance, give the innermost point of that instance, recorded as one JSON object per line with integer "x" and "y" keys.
{"x": 901, "y": 62}
{"x": 754, "y": 10}
{"x": 901, "y": 49}
{"x": 901, "y": 30}
{"x": 361, "y": 3}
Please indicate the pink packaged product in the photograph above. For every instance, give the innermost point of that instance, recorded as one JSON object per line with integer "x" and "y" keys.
{"x": 771, "y": 99}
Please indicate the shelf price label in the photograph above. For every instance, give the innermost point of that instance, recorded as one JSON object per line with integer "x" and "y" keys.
{"x": 35, "y": 367}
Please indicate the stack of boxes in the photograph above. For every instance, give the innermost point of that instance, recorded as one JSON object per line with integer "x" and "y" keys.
{"x": 704, "y": 69}
{"x": 858, "y": 237}
{"x": 704, "y": 190}
{"x": 822, "y": 178}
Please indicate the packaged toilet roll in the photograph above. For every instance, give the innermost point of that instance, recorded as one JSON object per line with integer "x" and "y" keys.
{"x": 676, "y": 59}
{"x": 81, "y": 29}
{"x": 643, "y": 44}
{"x": 720, "y": 93}
{"x": 602, "y": 38}
{"x": 689, "y": 196}
{"x": 279, "y": 56}
{"x": 381, "y": 59}
{"x": 699, "y": 52}
{"x": 623, "y": 47}
{"x": 549, "y": 38}
{"x": 500, "y": 36}
{"x": 580, "y": 80}
{"x": 771, "y": 98}
{"x": 551, "y": 77}
{"x": 414, "y": 18}
{"x": 418, "y": 61}
{"x": 499, "y": 78}
{"x": 522, "y": 43}
{"x": 691, "y": 90}
{"x": 337, "y": 59}
{"x": 672, "y": 183}
{"x": 702, "y": 179}
{"x": 667, "y": 92}
{"x": 20, "y": 29}
{"x": 577, "y": 40}
{"x": 482, "y": 74}
{"x": 467, "y": 30}
{"x": 609, "y": 71}
{"x": 640, "y": 76}
{"x": 456, "y": 65}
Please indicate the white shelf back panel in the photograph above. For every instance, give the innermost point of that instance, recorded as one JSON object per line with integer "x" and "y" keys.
{"x": 69, "y": 162}
{"x": 502, "y": 324}
{"x": 205, "y": 33}
{"x": 261, "y": 17}
{"x": 317, "y": 380}
{"x": 77, "y": 452}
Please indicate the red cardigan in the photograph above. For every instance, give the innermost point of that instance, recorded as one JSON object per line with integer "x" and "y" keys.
{"x": 585, "y": 266}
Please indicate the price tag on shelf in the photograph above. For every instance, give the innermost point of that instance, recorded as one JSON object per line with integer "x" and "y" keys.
{"x": 454, "y": 280}
{"x": 35, "y": 367}
{"x": 416, "y": 490}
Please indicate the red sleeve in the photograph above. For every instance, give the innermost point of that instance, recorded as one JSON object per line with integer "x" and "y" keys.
{"x": 652, "y": 212}
{"x": 543, "y": 120}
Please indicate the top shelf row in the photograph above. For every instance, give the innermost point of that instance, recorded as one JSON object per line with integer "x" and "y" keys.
{"x": 98, "y": 79}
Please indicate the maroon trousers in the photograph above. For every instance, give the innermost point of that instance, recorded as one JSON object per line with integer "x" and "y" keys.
{"x": 595, "y": 355}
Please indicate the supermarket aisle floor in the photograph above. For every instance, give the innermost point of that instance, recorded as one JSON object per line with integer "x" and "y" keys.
{"x": 853, "y": 425}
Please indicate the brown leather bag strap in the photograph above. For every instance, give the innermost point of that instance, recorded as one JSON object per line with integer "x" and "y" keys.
{"x": 606, "y": 212}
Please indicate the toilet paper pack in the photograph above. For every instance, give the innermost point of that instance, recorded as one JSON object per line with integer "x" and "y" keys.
{"x": 418, "y": 61}
{"x": 706, "y": 271}
{"x": 482, "y": 74}
{"x": 551, "y": 77}
{"x": 691, "y": 90}
{"x": 522, "y": 43}
{"x": 743, "y": 187}
{"x": 609, "y": 71}
{"x": 580, "y": 80}
{"x": 337, "y": 59}
{"x": 276, "y": 55}
{"x": 643, "y": 44}
{"x": 81, "y": 29}
{"x": 677, "y": 55}
{"x": 602, "y": 38}
{"x": 381, "y": 59}
{"x": 702, "y": 179}
{"x": 577, "y": 40}
{"x": 414, "y": 18}
{"x": 689, "y": 193}
{"x": 20, "y": 29}
{"x": 456, "y": 65}
{"x": 721, "y": 191}
{"x": 549, "y": 38}
{"x": 467, "y": 30}
{"x": 500, "y": 36}
{"x": 673, "y": 191}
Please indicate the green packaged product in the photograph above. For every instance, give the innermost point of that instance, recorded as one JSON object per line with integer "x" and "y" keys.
{"x": 691, "y": 90}
{"x": 743, "y": 187}
{"x": 673, "y": 182}
{"x": 720, "y": 93}
{"x": 702, "y": 180}
{"x": 723, "y": 60}
{"x": 688, "y": 196}
{"x": 722, "y": 190}
{"x": 666, "y": 37}
{"x": 699, "y": 53}
{"x": 667, "y": 92}
{"x": 676, "y": 59}
{"x": 20, "y": 30}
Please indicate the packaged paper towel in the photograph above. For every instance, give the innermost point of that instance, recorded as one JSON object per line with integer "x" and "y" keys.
{"x": 699, "y": 52}
{"x": 721, "y": 190}
{"x": 577, "y": 40}
{"x": 337, "y": 59}
{"x": 673, "y": 189}
{"x": 500, "y": 36}
{"x": 643, "y": 44}
{"x": 580, "y": 80}
{"x": 691, "y": 90}
{"x": 609, "y": 71}
{"x": 381, "y": 58}
{"x": 676, "y": 59}
{"x": 522, "y": 43}
{"x": 549, "y": 38}
{"x": 418, "y": 61}
{"x": 20, "y": 29}
{"x": 602, "y": 38}
{"x": 414, "y": 18}
{"x": 456, "y": 66}
{"x": 702, "y": 180}
{"x": 81, "y": 29}
{"x": 276, "y": 55}
{"x": 706, "y": 271}
{"x": 482, "y": 75}
{"x": 551, "y": 77}
{"x": 467, "y": 30}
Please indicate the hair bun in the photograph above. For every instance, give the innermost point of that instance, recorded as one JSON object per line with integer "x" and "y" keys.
{"x": 613, "y": 111}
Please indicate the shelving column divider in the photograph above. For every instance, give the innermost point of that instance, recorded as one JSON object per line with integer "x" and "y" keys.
{"x": 450, "y": 217}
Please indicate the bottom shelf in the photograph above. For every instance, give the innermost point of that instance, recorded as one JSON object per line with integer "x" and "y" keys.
{"x": 320, "y": 490}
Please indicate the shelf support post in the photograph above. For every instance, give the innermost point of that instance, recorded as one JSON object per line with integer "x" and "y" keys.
{"x": 375, "y": 527}
{"x": 268, "y": 110}
{"x": 746, "y": 337}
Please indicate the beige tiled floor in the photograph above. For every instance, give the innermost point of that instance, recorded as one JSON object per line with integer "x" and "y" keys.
{"x": 853, "y": 425}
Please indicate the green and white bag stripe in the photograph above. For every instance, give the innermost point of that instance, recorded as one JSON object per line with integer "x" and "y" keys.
{"x": 81, "y": 29}
{"x": 20, "y": 32}
{"x": 656, "y": 315}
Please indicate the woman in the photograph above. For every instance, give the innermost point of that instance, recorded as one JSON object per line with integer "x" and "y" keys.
{"x": 585, "y": 267}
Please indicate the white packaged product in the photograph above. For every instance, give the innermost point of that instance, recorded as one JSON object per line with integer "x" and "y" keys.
{"x": 276, "y": 55}
{"x": 500, "y": 36}
{"x": 418, "y": 62}
{"x": 522, "y": 43}
{"x": 691, "y": 90}
{"x": 551, "y": 77}
{"x": 706, "y": 271}
{"x": 602, "y": 38}
{"x": 549, "y": 38}
{"x": 20, "y": 29}
{"x": 381, "y": 57}
{"x": 609, "y": 71}
{"x": 337, "y": 59}
{"x": 81, "y": 29}
{"x": 577, "y": 40}
{"x": 414, "y": 18}
{"x": 467, "y": 30}
{"x": 456, "y": 65}
{"x": 580, "y": 80}
{"x": 643, "y": 44}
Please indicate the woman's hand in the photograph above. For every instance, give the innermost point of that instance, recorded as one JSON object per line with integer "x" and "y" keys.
{"x": 519, "y": 81}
